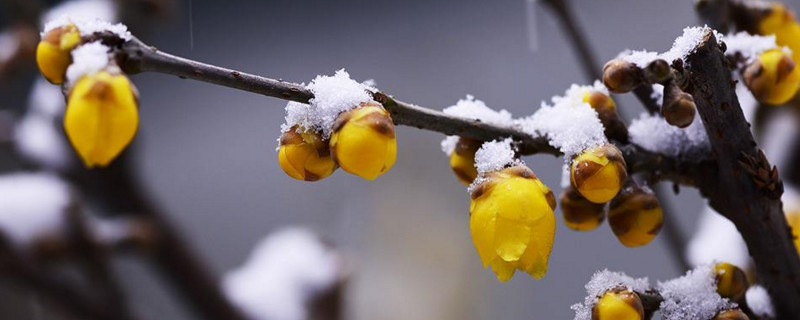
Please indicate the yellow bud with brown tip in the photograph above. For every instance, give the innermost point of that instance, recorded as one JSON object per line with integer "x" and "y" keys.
{"x": 363, "y": 141}
{"x": 773, "y": 77}
{"x": 635, "y": 217}
{"x": 101, "y": 117}
{"x": 621, "y": 76}
{"x": 304, "y": 155}
{"x": 462, "y": 160}
{"x": 731, "y": 314}
{"x": 731, "y": 281}
{"x": 512, "y": 222}
{"x": 53, "y": 52}
{"x": 597, "y": 173}
{"x": 618, "y": 304}
{"x": 580, "y": 214}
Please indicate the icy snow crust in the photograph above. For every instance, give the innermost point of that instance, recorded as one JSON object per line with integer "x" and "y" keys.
{"x": 693, "y": 296}
{"x": 603, "y": 281}
{"x": 681, "y": 48}
{"x": 332, "y": 96}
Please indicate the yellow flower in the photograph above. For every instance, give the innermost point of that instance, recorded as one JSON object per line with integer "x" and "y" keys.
{"x": 773, "y": 78}
{"x": 597, "y": 173}
{"x": 580, "y": 214}
{"x": 53, "y": 52}
{"x": 305, "y": 155}
{"x": 635, "y": 217}
{"x": 363, "y": 141}
{"x": 782, "y": 23}
{"x": 599, "y": 101}
{"x": 101, "y": 116}
{"x": 618, "y": 304}
{"x": 512, "y": 222}
{"x": 731, "y": 281}
{"x": 462, "y": 160}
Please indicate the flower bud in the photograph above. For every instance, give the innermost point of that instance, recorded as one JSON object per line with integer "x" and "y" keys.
{"x": 621, "y": 76}
{"x": 635, "y": 217}
{"x": 597, "y": 173}
{"x": 678, "y": 107}
{"x": 512, "y": 222}
{"x": 731, "y": 281}
{"x": 101, "y": 116}
{"x": 580, "y": 214}
{"x": 618, "y": 304}
{"x": 658, "y": 71}
{"x": 304, "y": 155}
{"x": 607, "y": 112}
{"x": 462, "y": 160}
{"x": 731, "y": 314}
{"x": 793, "y": 219}
{"x": 53, "y": 52}
{"x": 772, "y": 78}
{"x": 780, "y": 22}
{"x": 363, "y": 141}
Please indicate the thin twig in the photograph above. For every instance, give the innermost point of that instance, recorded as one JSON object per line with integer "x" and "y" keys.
{"x": 576, "y": 37}
{"x": 135, "y": 57}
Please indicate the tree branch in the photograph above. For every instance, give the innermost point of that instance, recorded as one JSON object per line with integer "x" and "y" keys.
{"x": 750, "y": 199}
{"x": 136, "y": 57}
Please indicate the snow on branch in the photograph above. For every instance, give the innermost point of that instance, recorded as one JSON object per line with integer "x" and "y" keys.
{"x": 681, "y": 48}
{"x": 692, "y": 296}
{"x": 333, "y": 95}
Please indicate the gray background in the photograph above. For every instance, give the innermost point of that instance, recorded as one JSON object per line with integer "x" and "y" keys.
{"x": 208, "y": 152}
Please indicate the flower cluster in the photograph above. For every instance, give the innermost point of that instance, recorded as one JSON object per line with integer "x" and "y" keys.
{"x": 341, "y": 127}
{"x": 101, "y": 117}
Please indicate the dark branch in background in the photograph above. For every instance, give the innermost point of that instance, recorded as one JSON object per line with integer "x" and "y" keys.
{"x": 117, "y": 190}
{"x": 576, "y": 37}
{"x": 20, "y": 272}
{"x": 738, "y": 189}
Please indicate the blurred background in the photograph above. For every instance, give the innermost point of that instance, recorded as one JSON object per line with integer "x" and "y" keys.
{"x": 208, "y": 153}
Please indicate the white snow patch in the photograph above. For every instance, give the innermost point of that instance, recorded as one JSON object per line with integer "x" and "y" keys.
{"x": 37, "y": 137}
{"x": 86, "y": 60}
{"x": 653, "y": 133}
{"x": 750, "y": 46}
{"x": 747, "y": 101}
{"x": 601, "y": 282}
{"x": 283, "y": 273}
{"x": 692, "y": 296}
{"x": 658, "y": 94}
{"x": 449, "y": 144}
{"x": 495, "y": 155}
{"x": 472, "y": 109}
{"x": 570, "y": 124}
{"x": 717, "y": 239}
{"x": 759, "y": 301}
{"x": 332, "y": 96}
{"x": 89, "y": 27}
{"x": 32, "y": 205}
{"x": 681, "y": 48}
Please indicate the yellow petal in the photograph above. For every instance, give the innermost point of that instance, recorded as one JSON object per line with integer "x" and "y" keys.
{"x": 502, "y": 269}
{"x": 101, "y": 117}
